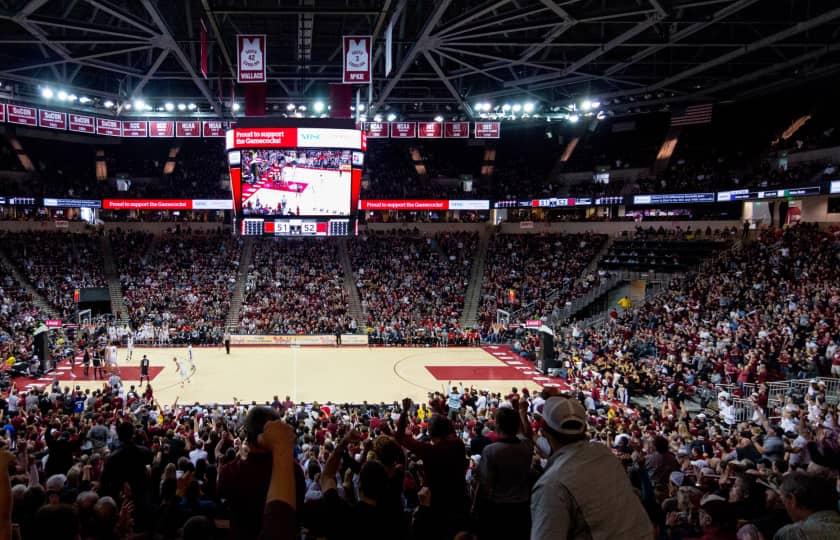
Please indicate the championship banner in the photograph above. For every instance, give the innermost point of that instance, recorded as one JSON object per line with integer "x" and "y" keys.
{"x": 430, "y": 130}
{"x": 212, "y": 128}
{"x": 190, "y": 128}
{"x": 377, "y": 130}
{"x": 19, "y": 114}
{"x": 161, "y": 128}
{"x": 52, "y": 119}
{"x": 456, "y": 130}
{"x": 2, "y": 112}
{"x": 357, "y": 59}
{"x": 134, "y": 128}
{"x": 250, "y": 52}
{"x": 106, "y": 126}
{"x": 487, "y": 130}
{"x": 403, "y": 130}
{"x": 81, "y": 123}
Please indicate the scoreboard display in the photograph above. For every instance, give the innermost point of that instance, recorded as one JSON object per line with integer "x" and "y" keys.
{"x": 300, "y": 179}
{"x": 296, "y": 227}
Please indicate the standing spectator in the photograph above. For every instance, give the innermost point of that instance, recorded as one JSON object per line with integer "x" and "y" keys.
{"x": 585, "y": 492}
{"x": 660, "y": 464}
{"x": 811, "y": 501}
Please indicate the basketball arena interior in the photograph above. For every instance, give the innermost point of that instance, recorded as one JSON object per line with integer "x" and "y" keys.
{"x": 419, "y": 269}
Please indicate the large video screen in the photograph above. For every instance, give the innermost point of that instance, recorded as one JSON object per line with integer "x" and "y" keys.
{"x": 296, "y": 182}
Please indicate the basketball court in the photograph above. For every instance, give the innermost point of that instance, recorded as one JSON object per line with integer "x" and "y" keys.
{"x": 316, "y": 373}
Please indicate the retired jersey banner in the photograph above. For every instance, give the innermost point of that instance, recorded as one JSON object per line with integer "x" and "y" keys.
{"x": 487, "y": 130}
{"x": 403, "y": 130}
{"x": 18, "y": 114}
{"x": 357, "y": 59}
{"x": 250, "y": 54}
{"x": 456, "y": 130}
{"x": 190, "y": 128}
{"x": 161, "y": 128}
{"x": 52, "y": 119}
{"x": 377, "y": 130}
{"x": 135, "y": 128}
{"x": 429, "y": 130}
{"x": 81, "y": 123}
{"x": 106, "y": 126}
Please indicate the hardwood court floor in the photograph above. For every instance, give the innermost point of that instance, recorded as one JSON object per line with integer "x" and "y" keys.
{"x": 320, "y": 373}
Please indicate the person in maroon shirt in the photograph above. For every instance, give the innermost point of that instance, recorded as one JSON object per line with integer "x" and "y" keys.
{"x": 445, "y": 465}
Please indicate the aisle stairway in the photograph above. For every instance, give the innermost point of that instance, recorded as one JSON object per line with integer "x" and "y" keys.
{"x": 37, "y": 299}
{"x": 238, "y": 296}
{"x": 115, "y": 293}
{"x": 354, "y": 303}
{"x": 472, "y": 298}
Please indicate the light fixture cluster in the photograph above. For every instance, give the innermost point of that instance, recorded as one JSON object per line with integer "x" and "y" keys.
{"x": 506, "y": 111}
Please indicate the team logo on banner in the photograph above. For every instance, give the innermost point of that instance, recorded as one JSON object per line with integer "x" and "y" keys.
{"x": 357, "y": 59}
{"x": 250, "y": 50}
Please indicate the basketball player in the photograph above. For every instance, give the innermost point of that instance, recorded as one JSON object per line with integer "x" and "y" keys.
{"x": 97, "y": 365}
{"x": 114, "y": 357}
{"x": 144, "y": 370}
{"x": 129, "y": 342}
{"x": 182, "y": 371}
{"x": 190, "y": 358}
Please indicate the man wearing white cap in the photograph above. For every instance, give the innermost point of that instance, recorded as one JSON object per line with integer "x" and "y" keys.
{"x": 584, "y": 493}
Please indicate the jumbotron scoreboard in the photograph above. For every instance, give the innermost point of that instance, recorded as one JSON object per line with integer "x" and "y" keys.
{"x": 301, "y": 178}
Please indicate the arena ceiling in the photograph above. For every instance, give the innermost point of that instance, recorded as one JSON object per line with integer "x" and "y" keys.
{"x": 448, "y": 54}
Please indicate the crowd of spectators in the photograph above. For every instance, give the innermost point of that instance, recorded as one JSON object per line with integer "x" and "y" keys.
{"x": 412, "y": 287}
{"x": 183, "y": 284}
{"x": 539, "y": 272}
{"x": 294, "y": 287}
{"x": 56, "y": 264}
{"x": 18, "y": 319}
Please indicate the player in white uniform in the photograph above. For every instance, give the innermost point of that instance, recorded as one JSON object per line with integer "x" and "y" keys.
{"x": 190, "y": 357}
{"x": 182, "y": 371}
{"x": 112, "y": 356}
{"x": 129, "y": 343}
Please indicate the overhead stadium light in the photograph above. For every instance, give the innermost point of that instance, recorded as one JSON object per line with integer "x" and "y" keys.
{"x": 290, "y": 107}
{"x": 377, "y": 118}
{"x": 84, "y": 99}
{"x": 191, "y": 106}
{"x": 182, "y": 107}
{"x": 139, "y": 104}
{"x": 62, "y": 95}
{"x": 438, "y": 118}
{"x": 361, "y": 107}
{"x": 517, "y": 107}
{"x": 108, "y": 104}
{"x": 318, "y": 106}
{"x": 235, "y": 106}
{"x": 72, "y": 97}
{"x": 528, "y": 107}
{"x": 169, "y": 106}
{"x": 585, "y": 105}
{"x": 506, "y": 107}
{"x": 127, "y": 106}
{"x": 47, "y": 93}
{"x": 392, "y": 117}
{"x": 573, "y": 118}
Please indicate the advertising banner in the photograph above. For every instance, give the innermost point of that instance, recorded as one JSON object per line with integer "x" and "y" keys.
{"x": 316, "y": 340}
{"x": 251, "y": 58}
{"x": 456, "y": 130}
{"x": 147, "y": 204}
{"x": 52, "y": 119}
{"x": 357, "y": 59}
{"x": 81, "y": 123}
{"x": 430, "y": 130}
{"x": 404, "y": 204}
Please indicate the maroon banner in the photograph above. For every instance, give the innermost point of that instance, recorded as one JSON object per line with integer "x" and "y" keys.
{"x": 2, "y": 112}
{"x": 18, "y": 114}
{"x": 81, "y": 123}
{"x": 161, "y": 128}
{"x": 403, "y": 130}
{"x": 188, "y": 129}
{"x": 404, "y": 204}
{"x": 487, "y": 130}
{"x": 213, "y": 128}
{"x": 357, "y": 59}
{"x": 250, "y": 54}
{"x": 255, "y": 95}
{"x": 456, "y": 130}
{"x": 106, "y": 126}
{"x": 429, "y": 130}
{"x": 376, "y": 130}
{"x": 202, "y": 39}
{"x": 52, "y": 119}
{"x": 341, "y": 97}
{"x": 135, "y": 128}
